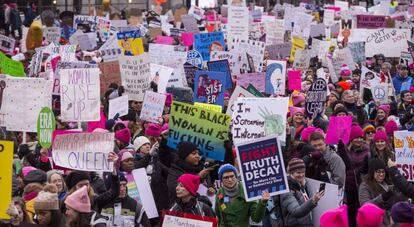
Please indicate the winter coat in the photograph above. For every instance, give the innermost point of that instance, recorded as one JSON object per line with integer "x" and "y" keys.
{"x": 194, "y": 206}
{"x": 401, "y": 183}
{"x": 98, "y": 220}
{"x": 402, "y": 83}
{"x": 238, "y": 212}
{"x": 125, "y": 212}
{"x": 336, "y": 166}
{"x": 296, "y": 208}
{"x": 357, "y": 157}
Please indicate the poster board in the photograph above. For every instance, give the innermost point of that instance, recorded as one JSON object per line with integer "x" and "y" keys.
{"x": 404, "y": 145}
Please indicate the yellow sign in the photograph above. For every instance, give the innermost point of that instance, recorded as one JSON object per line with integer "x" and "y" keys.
{"x": 6, "y": 159}
{"x": 212, "y": 107}
{"x": 297, "y": 43}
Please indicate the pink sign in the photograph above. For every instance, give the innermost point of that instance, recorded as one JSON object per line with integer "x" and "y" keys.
{"x": 188, "y": 38}
{"x": 92, "y": 125}
{"x": 339, "y": 128}
{"x": 294, "y": 80}
{"x": 169, "y": 40}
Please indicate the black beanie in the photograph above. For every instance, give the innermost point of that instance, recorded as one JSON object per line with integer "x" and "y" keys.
{"x": 74, "y": 177}
{"x": 185, "y": 148}
{"x": 376, "y": 164}
{"x": 35, "y": 176}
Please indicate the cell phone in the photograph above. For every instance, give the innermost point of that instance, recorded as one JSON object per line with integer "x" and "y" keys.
{"x": 322, "y": 187}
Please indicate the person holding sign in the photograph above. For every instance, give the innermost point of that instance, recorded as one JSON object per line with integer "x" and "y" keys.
{"x": 296, "y": 204}
{"x": 399, "y": 180}
{"x": 231, "y": 207}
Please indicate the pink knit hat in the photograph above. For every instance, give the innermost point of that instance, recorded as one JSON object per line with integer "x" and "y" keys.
{"x": 345, "y": 70}
{"x": 356, "y": 132}
{"x": 190, "y": 182}
{"x": 121, "y": 156}
{"x": 337, "y": 217}
{"x": 385, "y": 107}
{"x": 79, "y": 200}
{"x": 123, "y": 135}
{"x": 380, "y": 135}
{"x": 307, "y": 132}
{"x": 27, "y": 169}
{"x": 153, "y": 130}
{"x": 296, "y": 110}
{"x": 164, "y": 128}
{"x": 391, "y": 127}
{"x": 369, "y": 215}
{"x": 100, "y": 130}
{"x": 297, "y": 99}
{"x": 126, "y": 155}
{"x": 168, "y": 99}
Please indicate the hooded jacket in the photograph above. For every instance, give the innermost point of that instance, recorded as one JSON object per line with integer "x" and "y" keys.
{"x": 402, "y": 83}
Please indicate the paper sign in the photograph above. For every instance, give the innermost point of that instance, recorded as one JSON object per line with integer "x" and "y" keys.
{"x": 370, "y": 21}
{"x": 380, "y": 93}
{"x": 68, "y": 65}
{"x": 209, "y": 87}
{"x": 262, "y": 167}
{"x": 23, "y": 98}
{"x": 84, "y": 151}
{"x": 297, "y": 44}
{"x": 238, "y": 92}
{"x": 168, "y": 40}
{"x": 259, "y": 117}
{"x": 188, "y": 38}
{"x": 302, "y": 59}
{"x": 167, "y": 55}
{"x": 7, "y": 44}
{"x": 369, "y": 79}
{"x": 190, "y": 23}
{"x": 45, "y": 127}
{"x": 79, "y": 95}
{"x": 10, "y": 67}
{"x": 51, "y": 34}
{"x": 387, "y": 41}
{"x": 207, "y": 129}
{"x": 110, "y": 73}
{"x": 135, "y": 74}
{"x": 275, "y": 32}
{"x": 256, "y": 79}
{"x": 104, "y": 27}
{"x": 275, "y": 77}
{"x": 255, "y": 49}
{"x": 316, "y": 98}
{"x": 6, "y": 162}
{"x": 84, "y": 22}
{"x": 205, "y": 43}
{"x": 222, "y": 66}
{"x": 130, "y": 42}
{"x": 339, "y": 129}
{"x": 144, "y": 190}
{"x": 152, "y": 107}
{"x": 67, "y": 53}
{"x": 238, "y": 23}
{"x": 278, "y": 51}
{"x": 87, "y": 41}
{"x": 212, "y": 107}
{"x": 233, "y": 58}
{"x": 160, "y": 75}
{"x": 358, "y": 51}
{"x": 118, "y": 106}
{"x": 404, "y": 144}
{"x": 294, "y": 80}
{"x": 176, "y": 221}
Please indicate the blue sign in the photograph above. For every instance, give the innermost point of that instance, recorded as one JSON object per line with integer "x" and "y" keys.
{"x": 205, "y": 43}
{"x": 209, "y": 87}
{"x": 222, "y": 66}
{"x": 194, "y": 58}
{"x": 262, "y": 167}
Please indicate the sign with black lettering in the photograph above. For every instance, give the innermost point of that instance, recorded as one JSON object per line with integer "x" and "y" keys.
{"x": 316, "y": 98}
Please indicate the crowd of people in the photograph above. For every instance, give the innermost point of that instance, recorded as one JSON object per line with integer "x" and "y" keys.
{"x": 376, "y": 193}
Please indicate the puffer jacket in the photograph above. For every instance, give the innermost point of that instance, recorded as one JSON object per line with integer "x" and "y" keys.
{"x": 296, "y": 208}
{"x": 357, "y": 157}
{"x": 194, "y": 206}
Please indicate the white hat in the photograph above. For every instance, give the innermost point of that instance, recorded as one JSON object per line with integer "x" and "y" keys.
{"x": 139, "y": 142}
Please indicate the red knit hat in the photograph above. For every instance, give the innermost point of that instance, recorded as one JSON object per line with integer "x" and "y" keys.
{"x": 380, "y": 135}
{"x": 356, "y": 132}
{"x": 190, "y": 182}
{"x": 344, "y": 85}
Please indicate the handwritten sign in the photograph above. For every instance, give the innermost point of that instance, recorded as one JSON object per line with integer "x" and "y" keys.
{"x": 209, "y": 87}
{"x": 387, "y": 41}
{"x": 104, "y": 27}
{"x": 135, "y": 75}
{"x": 84, "y": 22}
{"x": 207, "y": 129}
{"x": 51, "y": 34}
{"x": 254, "y": 49}
{"x": 118, "y": 106}
{"x": 152, "y": 107}
{"x": 79, "y": 95}
{"x": 234, "y": 59}
{"x": 275, "y": 77}
{"x": 316, "y": 98}
{"x": 67, "y": 53}
{"x": 275, "y": 32}
{"x": 10, "y": 66}
{"x": 339, "y": 129}
{"x": 238, "y": 92}
{"x": 84, "y": 151}
{"x": 6, "y": 162}
{"x": 404, "y": 145}
{"x": 45, "y": 126}
{"x": 238, "y": 23}
{"x": 205, "y": 43}
{"x": 357, "y": 50}
{"x": 302, "y": 59}
{"x": 278, "y": 51}
{"x": 262, "y": 167}
{"x": 110, "y": 73}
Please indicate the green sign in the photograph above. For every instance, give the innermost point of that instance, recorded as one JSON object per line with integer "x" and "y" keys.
{"x": 45, "y": 127}
{"x": 254, "y": 91}
{"x": 10, "y": 66}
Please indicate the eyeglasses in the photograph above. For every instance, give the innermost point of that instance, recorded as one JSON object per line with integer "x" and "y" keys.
{"x": 370, "y": 132}
{"x": 229, "y": 177}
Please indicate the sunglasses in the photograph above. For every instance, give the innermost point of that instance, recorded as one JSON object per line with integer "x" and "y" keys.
{"x": 370, "y": 132}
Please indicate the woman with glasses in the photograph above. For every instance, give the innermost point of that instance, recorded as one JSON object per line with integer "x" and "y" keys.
{"x": 369, "y": 132}
{"x": 231, "y": 208}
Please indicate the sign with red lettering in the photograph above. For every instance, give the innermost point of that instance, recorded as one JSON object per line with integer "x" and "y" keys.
{"x": 404, "y": 156}
{"x": 262, "y": 167}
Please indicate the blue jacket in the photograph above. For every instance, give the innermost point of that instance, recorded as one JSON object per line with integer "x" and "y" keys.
{"x": 401, "y": 84}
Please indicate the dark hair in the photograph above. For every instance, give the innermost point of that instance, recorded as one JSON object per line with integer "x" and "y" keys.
{"x": 403, "y": 93}
{"x": 56, "y": 218}
{"x": 84, "y": 220}
{"x": 316, "y": 136}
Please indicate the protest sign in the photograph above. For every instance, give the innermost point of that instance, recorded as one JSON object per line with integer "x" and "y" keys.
{"x": 130, "y": 42}
{"x": 205, "y": 43}
{"x": 257, "y": 31}
{"x": 51, "y": 34}
{"x": 258, "y": 80}
{"x": 234, "y": 59}
{"x": 36, "y": 64}
{"x": 411, "y": 48}
{"x": 369, "y": 79}
{"x": 167, "y": 55}
{"x": 68, "y": 53}
{"x": 328, "y": 17}
{"x": 190, "y": 24}
{"x": 342, "y": 57}
{"x": 275, "y": 32}
{"x": 68, "y": 65}
{"x": 84, "y": 151}
{"x": 358, "y": 51}
{"x": 23, "y": 98}
{"x": 302, "y": 59}
{"x": 209, "y": 87}
{"x": 144, "y": 190}
{"x": 238, "y": 92}
{"x": 188, "y": 38}
{"x": 278, "y": 51}
{"x": 333, "y": 198}
{"x": 317, "y": 30}
{"x": 212, "y": 107}
{"x": 316, "y": 98}
{"x": 160, "y": 75}
{"x": 135, "y": 75}
{"x": 255, "y": 49}
{"x": 339, "y": 128}
{"x": 118, "y": 106}
{"x": 380, "y": 93}
{"x": 152, "y": 107}
{"x": 262, "y": 167}
{"x": 194, "y": 57}
{"x": 404, "y": 145}
{"x": 104, "y": 28}
{"x": 7, "y": 44}
{"x": 84, "y": 22}
{"x": 11, "y": 67}
{"x": 370, "y": 21}
{"x": 254, "y": 91}
{"x": 294, "y": 80}
{"x": 207, "y": 129}
{"x": 168, "y": 40}
{"x": 178, "y": 219}
{"x": 301, "y": 24}
{"x": 87, "y": 41}
{"x": 387, "y": 41}
{"x": 259, "y": 117}
{"x": 238, "y": 23}
{"x": 79, "y": 95}
{"x": 6, "y": 163}
{"x": 189, "y": 71}
{"x": 275, "y": 77}
{"x": 406, "y": 58}
{"x": 222, "y": 66}
{"x": 297, "y": 44}
{"x": 110, "y": 73}
{"x": 45, "y": 126}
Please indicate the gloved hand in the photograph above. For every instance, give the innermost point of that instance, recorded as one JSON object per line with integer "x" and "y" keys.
{"x": 387, "y": 195}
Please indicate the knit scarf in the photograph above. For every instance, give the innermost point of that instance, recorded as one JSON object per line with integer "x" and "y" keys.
{"x": 232, "y": 192}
